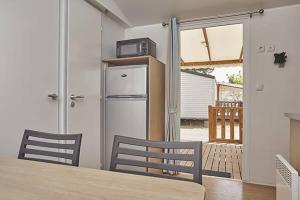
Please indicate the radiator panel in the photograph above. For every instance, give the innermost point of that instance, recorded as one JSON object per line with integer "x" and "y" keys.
{"x": 287, "y": 179}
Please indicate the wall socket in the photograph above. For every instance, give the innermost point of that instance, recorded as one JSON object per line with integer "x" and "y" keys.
{"x": 261, "y": 49}
{"x": 259, "y": 87}
{"x": 271, "y": 48}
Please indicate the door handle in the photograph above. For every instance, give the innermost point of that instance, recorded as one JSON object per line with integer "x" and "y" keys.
{"x": 76, "y": 97}
{"x": 53, "y": 96}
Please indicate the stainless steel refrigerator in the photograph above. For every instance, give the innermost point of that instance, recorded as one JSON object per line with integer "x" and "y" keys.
{"x": 126, "y": 103}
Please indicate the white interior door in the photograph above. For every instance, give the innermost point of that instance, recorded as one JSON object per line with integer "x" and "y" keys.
{"x": 28, "y": 69}
{"x": 84, "y": 79}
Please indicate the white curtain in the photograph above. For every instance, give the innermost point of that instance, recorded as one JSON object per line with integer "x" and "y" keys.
{"x": 173, "y": 85}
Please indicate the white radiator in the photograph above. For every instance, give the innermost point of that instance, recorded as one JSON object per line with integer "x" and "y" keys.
{"x": 287, "y": 180}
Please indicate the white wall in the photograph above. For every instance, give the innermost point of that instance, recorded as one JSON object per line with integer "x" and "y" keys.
{"x": 269, "y": 129}
{"x": 112, "y": 9}
{"x": 111, "y": 33}
{"x": 197, "y": 93}
{"x": 155, "y": 32}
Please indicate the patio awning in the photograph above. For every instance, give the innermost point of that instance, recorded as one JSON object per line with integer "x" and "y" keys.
{"x": 212, "y": 46}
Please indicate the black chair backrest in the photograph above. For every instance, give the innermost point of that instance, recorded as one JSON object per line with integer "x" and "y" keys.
{"x": 150, "y": 155}
{"x": 61, "y": 147}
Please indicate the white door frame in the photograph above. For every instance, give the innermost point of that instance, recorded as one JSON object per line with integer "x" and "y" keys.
{"x": 63, "y": 64}
{"x": 245, "y": 20}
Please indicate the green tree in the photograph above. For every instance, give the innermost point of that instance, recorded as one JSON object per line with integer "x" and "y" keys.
{"x": 203, "y": 70}
{"x": 235, "y": 78}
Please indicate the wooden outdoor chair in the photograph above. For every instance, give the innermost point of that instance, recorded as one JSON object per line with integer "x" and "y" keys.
{"x": 36, "y": 146}
{"x": 116, "y": 159}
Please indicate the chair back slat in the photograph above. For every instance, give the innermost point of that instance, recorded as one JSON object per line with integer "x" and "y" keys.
{"x": 52, "y": 136}
{"x": 146, "y": 164}
{"x": 148, "y": 154}
{"x": 48, "y": 153}
{"x": 49, "y": 145}
{"x": 156, "y": 144}
{"x": 61, "y": 146}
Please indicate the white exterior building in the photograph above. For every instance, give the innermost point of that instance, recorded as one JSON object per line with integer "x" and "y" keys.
{"x": 198, "y": 91}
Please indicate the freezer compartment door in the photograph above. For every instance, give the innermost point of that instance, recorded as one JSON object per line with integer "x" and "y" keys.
{"x": 125, "y": 117}
{"x": 126, "y": 80}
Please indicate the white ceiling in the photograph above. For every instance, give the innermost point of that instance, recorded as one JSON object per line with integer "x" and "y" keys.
{"x": 144, "y": 12}
{"x": 225, "y": 43}
{"x": 193, "y": 46}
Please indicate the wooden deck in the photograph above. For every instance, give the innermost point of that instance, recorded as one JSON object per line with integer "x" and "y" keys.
{"x": 221, "y": 157}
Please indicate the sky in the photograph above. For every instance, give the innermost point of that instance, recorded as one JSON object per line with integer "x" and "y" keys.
{"x": 221, "y": 72}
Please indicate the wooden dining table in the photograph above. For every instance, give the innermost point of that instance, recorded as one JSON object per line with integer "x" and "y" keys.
{"x": 29, "y": 180}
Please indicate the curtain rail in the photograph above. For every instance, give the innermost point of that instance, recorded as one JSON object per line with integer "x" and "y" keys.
{"x": 250, "y": 13}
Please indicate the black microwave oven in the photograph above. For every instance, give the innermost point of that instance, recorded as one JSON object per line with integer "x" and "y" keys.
{"x": 136, "y": 47}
